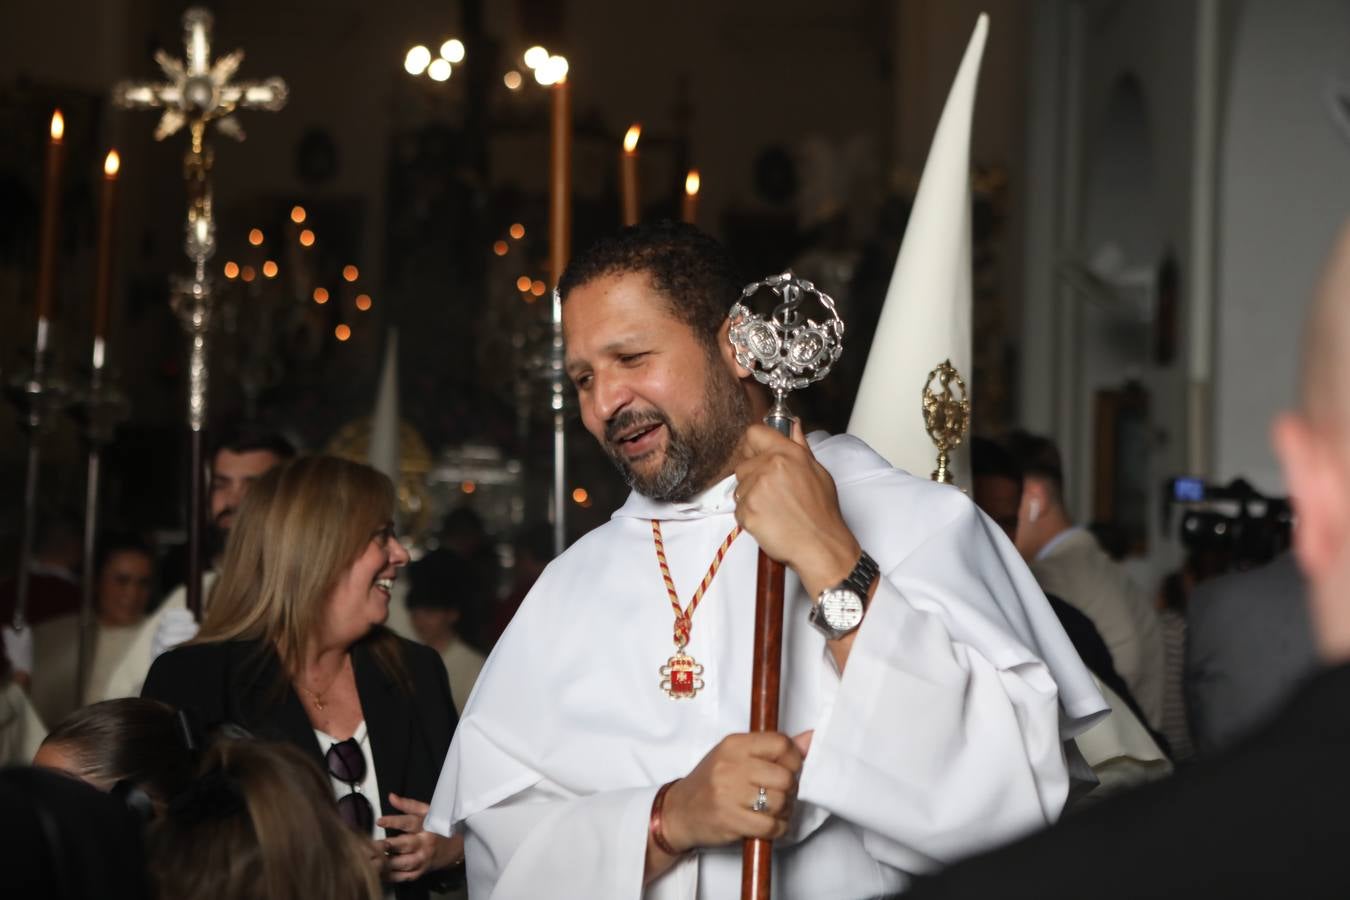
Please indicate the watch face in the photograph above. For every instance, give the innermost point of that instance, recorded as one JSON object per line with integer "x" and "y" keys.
{"x": 841, "y": 609}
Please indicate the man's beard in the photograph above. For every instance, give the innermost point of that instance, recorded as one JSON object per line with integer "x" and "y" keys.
{"x": 217, "y": 535}
{"x": 695, "y": 454}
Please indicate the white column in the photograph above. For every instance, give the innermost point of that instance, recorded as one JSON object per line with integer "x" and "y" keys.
{"x": 1204, "y": 177}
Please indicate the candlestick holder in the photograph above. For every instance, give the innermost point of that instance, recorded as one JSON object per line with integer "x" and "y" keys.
{"x": 38, "y": 394}
{"x": 98, "y": 405}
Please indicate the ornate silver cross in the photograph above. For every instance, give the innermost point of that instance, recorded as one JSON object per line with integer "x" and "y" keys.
{"x": 197, "y": 89}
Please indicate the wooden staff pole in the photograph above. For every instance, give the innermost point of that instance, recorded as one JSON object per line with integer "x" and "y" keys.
{"x": 765, "y": 676}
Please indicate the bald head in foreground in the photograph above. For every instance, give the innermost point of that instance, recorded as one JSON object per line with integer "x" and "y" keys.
{"x": 1271, "y": 817}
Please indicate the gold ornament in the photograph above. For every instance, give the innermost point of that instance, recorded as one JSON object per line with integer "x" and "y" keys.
{"x": 946, "y": 416}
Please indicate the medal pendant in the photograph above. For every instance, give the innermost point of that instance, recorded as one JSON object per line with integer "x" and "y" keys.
{"x": 680, "y": 677}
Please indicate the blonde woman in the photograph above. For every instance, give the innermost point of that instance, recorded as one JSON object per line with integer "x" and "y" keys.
{"x": 293, "y": 648}
{"x": 258, "y": 824}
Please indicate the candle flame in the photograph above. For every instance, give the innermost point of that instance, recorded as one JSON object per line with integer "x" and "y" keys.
{"x": 691, "y": 182}
{"x": 112, "y": 164}
{"x": 58, "y": 126}
{"x": 631, "y": 138}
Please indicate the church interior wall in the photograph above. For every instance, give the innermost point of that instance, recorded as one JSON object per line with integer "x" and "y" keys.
{"x": 1284, "y": 196}
{"x": 1086, "y": 348}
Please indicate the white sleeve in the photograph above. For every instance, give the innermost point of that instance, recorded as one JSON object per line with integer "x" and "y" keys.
{"x": 930, "y": 748}
{"x": 594, "y": 846}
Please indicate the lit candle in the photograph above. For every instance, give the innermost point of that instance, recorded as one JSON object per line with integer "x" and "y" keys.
{"x": 103, "y": 284}
{"x": 560, "y": 172}
{"x": 51, "y": 213}
{"x": 628, "y": 175}
{"x": 689, "y": 209}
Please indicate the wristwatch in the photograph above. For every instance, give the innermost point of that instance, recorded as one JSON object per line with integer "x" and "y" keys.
{"x": 839, "y": 610}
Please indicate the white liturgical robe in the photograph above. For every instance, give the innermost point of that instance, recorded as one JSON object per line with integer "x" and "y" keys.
{"x": 942, "y": 737}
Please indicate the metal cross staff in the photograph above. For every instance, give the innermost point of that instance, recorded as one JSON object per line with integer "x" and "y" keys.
{"x": 786, "y": 352}
{"x": 198, "y": 93}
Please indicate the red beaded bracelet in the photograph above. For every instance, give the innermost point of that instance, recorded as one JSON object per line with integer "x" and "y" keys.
{"x": 654, "y": 828}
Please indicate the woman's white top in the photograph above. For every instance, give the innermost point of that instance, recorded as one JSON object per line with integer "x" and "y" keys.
{"x": 370, "y": 787}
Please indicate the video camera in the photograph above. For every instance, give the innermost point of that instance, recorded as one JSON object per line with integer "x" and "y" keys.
{"x": 1231, "y": 526}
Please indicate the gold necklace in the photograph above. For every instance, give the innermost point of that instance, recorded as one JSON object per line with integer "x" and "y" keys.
{"x": 318, "y": 696}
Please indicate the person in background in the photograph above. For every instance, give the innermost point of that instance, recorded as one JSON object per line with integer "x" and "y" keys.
{"x": 1249, "y": 645}
{"x": 436, "y": 609}
{"x": 64, "y": 840}
{"x": 1267, "y": 817}
{"x": 122, "y": 590}
{"x": 1068, "y": 562}
{"x": 533, "y": 551}
{"x": 242, "y": 457}
{"x": 53, "y": 574}
{"x": 258, "y": 824}
{"x": 53, "y": 589}
{"x": 294, "y": 649}
{"x": 21, "y": 730}
{"x": 141, "y": 742}
{"x": 1120, "y": 749}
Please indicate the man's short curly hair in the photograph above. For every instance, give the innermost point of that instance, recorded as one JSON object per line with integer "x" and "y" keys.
{"x": 688, "y": 267}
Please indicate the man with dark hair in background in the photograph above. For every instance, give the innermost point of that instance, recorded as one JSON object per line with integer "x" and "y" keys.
{"x": 1068, "y": 562}
{"x": 1122, "y": 750}
{"x": 243, "y": 455}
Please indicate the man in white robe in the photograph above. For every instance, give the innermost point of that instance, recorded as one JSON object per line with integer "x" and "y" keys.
{"x": 932, "y": 730}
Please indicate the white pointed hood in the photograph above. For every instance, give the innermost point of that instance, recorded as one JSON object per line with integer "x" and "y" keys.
{"x": 926, "y": 317}
{"x": 384, "y": 449}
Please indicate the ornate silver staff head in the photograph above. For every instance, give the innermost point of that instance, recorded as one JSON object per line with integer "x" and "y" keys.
{"x": 785, "y": 351}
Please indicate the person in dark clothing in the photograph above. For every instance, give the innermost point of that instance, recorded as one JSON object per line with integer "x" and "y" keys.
{"x": 293, "y": 649}
{"x": 63, "y": 839}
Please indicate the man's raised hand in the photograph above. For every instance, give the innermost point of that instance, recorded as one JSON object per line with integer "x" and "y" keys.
{"x": 788, "y": 503}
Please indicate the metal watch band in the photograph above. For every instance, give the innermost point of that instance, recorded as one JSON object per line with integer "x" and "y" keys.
{"x": 862, "y": 576}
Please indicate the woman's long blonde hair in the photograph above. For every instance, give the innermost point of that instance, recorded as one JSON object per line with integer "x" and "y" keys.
{"x": 299, "y": 529}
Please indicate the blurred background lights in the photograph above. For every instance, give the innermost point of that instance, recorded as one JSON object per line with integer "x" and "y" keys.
{"x": 417, "y": 60}
{"x": 500, "y": 248}
{"x": 232, "y": 270}
{"x": 439, "y": 70}
{"x": 517, "y": 231}
{"x": 350, "y": 273}
{"x": 342, "y": 332}
{"x": 363, "y": 302}
{"x": 307, "y": 238}
{"x": 512, "y": 80}
{"x": 523, "y": 283}
{"x": 320, "y": 295}
{"x": 535, "y": 57}
{"x": 255, "y": 237}
{"x": 297, "y": 214}
{"x": 269, "y": 269}
{"x": 453, "y": 50}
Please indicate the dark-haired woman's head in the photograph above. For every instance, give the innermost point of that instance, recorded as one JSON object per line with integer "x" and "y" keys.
{"x": 133, "y": 740}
